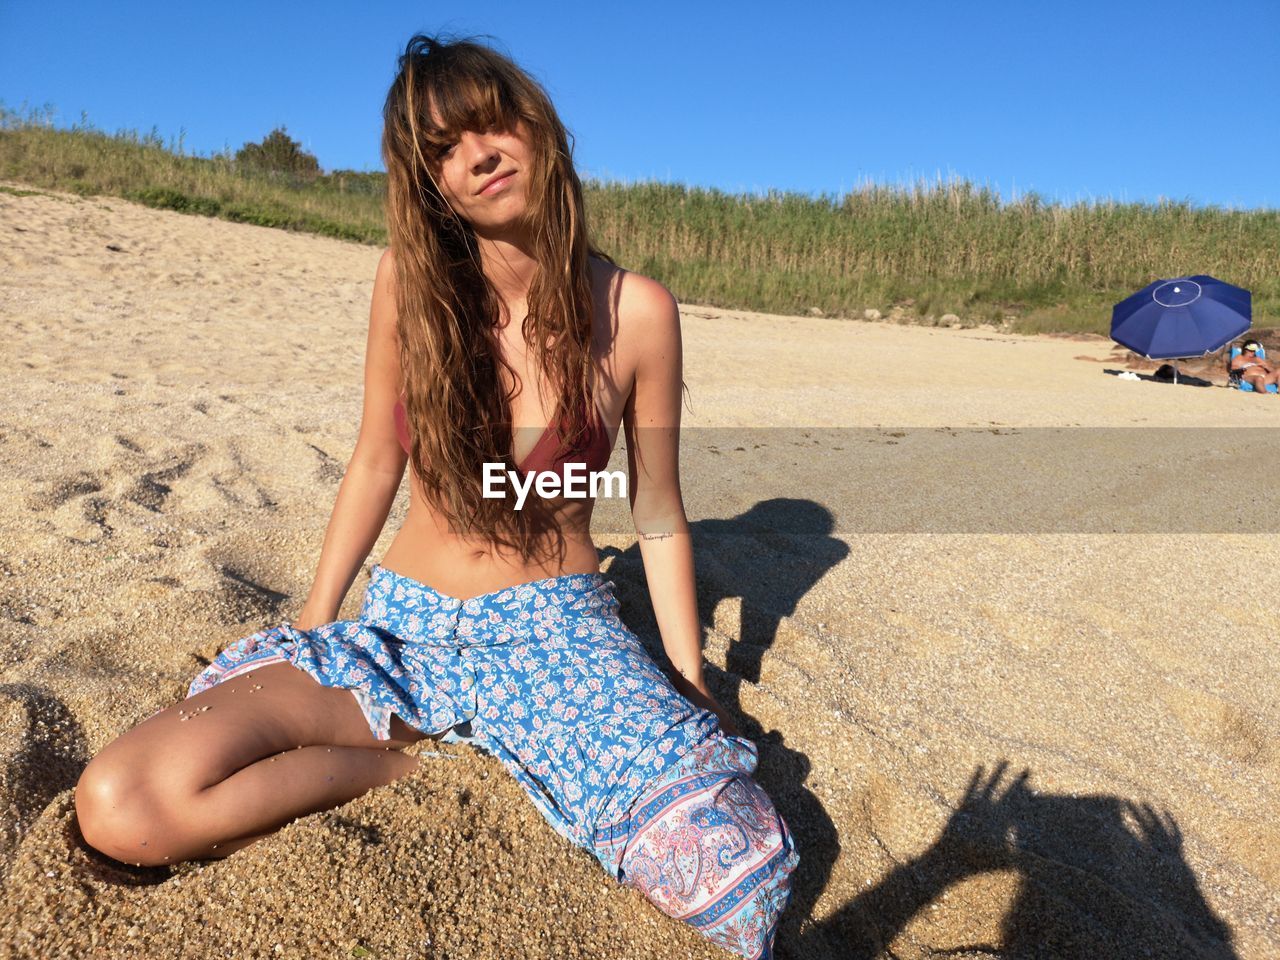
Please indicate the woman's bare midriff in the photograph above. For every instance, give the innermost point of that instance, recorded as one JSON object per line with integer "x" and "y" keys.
{"x": 426, "y": 550}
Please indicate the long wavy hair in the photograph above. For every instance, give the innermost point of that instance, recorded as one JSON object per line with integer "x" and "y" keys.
{"x": 459, "y": 415}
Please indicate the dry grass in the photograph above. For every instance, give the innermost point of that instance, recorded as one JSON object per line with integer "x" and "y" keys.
{"x": 927, "y": 250}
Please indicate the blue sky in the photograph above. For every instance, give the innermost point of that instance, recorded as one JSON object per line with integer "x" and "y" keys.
{"x": 1131, "y": 100}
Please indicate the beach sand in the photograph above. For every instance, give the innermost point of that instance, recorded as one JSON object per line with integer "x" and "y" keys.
{"x": 181, "y": 396}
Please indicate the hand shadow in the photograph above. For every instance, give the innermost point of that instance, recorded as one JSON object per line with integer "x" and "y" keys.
{"x": 1101, "y": 877}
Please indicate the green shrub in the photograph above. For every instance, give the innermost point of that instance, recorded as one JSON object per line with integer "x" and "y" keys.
{"x": 164, "y": 198}
{"x": 278, "y": 153}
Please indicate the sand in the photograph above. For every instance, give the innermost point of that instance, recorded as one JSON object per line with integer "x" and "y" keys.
{"x": 993, "y": 734}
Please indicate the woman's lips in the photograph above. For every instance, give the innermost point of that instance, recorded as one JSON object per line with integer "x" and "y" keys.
{"x": 496, "y": 186}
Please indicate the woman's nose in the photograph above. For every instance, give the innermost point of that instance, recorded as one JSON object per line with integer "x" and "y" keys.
{"x": 478, "y": 150}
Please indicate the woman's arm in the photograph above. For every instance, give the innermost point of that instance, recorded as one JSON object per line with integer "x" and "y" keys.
{"x": 376, "y": 467}
{"x": 652, "y": 424}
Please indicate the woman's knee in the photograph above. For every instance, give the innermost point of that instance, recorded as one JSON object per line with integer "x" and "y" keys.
{"x": 719, "y": 858}
{"x": 122, "y": 814}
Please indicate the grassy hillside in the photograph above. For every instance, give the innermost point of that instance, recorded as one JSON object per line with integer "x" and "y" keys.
{"x": 916, "y": 252}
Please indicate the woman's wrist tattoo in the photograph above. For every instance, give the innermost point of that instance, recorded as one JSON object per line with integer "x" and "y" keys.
{"x": 654, "y": 536}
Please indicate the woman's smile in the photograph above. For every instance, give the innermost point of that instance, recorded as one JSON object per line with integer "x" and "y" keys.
{"x": 497, "y": 183}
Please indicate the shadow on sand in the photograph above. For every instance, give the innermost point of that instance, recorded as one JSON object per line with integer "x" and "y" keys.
{"x": 50, "y": 755}
{"x": 1184, "y": 379}
{"x": 1100, "y": 877}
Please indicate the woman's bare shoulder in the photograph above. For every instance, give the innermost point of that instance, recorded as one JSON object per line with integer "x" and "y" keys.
{"x": 386, "y": 272}
{"x": 638, "y": 304}
{"x": 383, "y": 313}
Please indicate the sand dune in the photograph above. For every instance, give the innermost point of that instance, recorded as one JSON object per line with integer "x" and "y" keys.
{"x": 1023, "y": 739}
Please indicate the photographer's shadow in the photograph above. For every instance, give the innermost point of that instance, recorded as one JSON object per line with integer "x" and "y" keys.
{"x": 756, "y": 557}
{"x": 1100, "y": 878}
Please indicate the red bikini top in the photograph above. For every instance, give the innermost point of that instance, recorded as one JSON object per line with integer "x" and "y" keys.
{"x": 593, "y": 450}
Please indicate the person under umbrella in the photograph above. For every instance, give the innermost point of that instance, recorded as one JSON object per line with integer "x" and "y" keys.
{"x": 1253, "y": 369}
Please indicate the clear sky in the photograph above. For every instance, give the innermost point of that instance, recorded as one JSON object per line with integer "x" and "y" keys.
{"x": 1131, "y": 99}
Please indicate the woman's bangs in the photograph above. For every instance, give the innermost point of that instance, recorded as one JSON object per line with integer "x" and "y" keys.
{"x": 470, "y": 102}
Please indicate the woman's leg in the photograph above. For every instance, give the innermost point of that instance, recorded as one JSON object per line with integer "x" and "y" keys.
{"x": 1260, "y": 380}
{"x": 706, "y": 846}
{"x": 224, "y": 768}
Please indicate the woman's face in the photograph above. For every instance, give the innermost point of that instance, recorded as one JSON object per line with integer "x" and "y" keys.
{"x": 484, "y": 177}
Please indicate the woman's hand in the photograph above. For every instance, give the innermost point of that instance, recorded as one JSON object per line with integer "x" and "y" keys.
{"x": 310, "y": 617}
{"x": 698, "y": 694}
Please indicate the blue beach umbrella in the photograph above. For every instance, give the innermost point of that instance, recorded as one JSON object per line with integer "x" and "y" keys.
{"x": 1183, "y": 317}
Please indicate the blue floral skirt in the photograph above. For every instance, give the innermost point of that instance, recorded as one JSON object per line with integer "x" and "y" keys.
{"x": 547, "y": 678}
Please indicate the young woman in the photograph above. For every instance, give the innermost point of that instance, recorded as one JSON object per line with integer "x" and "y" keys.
{"x": 491, "y": 314}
